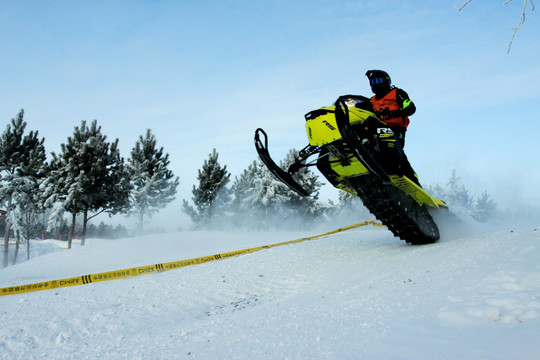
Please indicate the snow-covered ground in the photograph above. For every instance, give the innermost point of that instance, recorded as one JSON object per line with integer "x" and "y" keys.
{"x": 353, "y": 295}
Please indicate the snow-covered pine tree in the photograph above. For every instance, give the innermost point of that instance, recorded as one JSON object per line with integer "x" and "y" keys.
{"x": 458, "y": 199}
{"x": 10, "y": 150}
{"x": 211, "y": 196}
{"x": 457, "y": 196}
{"x": 241, "y": 187}
{"x": 154, "y": 185}
{"x": 437, "y": 191}
{"x": 350, "y": 208}
{"x": 28, "y": 206}
{"x": 110, "y": 190}
{"x": 308, "y": 207}
{"x": 484, "y": 208}
{"x": 86, "y": 176}
{"x": 263, "y": 201}
{"x": 22, "y": 164}
{"x": 242, "y": 184}
{"x": 264, "y": 197}
{"x": 27, "y": 212}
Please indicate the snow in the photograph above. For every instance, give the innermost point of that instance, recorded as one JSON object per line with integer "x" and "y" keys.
{"x": 362, "y": 293}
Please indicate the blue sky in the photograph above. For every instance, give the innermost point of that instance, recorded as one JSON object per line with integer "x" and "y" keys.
{"x": 206, "y": 74}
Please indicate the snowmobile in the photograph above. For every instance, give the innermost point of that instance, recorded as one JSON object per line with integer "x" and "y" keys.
{"x": 358, "y": 153}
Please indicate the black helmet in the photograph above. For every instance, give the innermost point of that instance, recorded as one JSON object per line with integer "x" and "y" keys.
{"x": 379, "y": 81}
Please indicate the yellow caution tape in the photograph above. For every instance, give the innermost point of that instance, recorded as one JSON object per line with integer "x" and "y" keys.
{"x": 119, "y": 274}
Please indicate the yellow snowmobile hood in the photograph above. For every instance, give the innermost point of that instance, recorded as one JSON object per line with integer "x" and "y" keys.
{"x": 321, "y": 126}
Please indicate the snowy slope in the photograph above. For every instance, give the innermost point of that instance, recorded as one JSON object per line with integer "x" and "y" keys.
{"x": 356, "y": 294}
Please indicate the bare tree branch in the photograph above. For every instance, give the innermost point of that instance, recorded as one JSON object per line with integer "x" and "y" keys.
{"x": 521, "y": 21}
{"x": 459, "y": 8}
{"x": 521, "y": 18}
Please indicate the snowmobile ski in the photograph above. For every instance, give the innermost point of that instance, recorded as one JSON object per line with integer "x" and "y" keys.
{"x": 286, "y": 178}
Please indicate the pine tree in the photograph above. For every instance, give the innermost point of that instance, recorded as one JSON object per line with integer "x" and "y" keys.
{"x": 437, "y": 191}
{"x": 307, "y": 207}
{"x": 458, "y": 199}
{"x": 261, "y": 197}
{"x": 457, "y": 196}
{"x": 211, "y": 196}
{"x": 484, "y": 208}
{"x": 110, "y": 190}
{"x": 240, "y": 190}
{"x": 27, "y": 211}
{"x": 22, "y": 164}
{"x": 261, "y": 200}
{"x": 88, "y": 175}
{"x": 350, "y": 208}
{"x": 154, "y": 185}
{"x": 242, "y": 184}
{"x": 268, "y": 196}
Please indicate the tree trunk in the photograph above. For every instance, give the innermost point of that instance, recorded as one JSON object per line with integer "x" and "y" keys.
{"x": 6, "y": 235}
{"x": 72, "y": 229}
{"x": 85, "y": 222}
{"x": 27, "y": 233}
{"x": 6, "y": 245}
{"x": 28, "y": 248}
{"x": 17, "y": 242}
{"x": 141, "y": 215}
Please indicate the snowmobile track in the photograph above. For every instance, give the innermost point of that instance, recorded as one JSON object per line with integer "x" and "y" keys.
{"x": 399, "y": 212}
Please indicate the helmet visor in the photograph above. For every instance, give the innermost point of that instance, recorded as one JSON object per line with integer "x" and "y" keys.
{"x": 376, "y": 81}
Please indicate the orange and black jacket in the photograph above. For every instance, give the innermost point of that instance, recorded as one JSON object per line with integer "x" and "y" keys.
{"x": 394, "y": 108}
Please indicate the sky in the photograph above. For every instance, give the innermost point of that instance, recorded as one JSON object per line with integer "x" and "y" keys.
{"x": 206, "y": 74}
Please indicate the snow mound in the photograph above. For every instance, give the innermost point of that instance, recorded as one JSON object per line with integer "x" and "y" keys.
{"x": 37, "y": 248}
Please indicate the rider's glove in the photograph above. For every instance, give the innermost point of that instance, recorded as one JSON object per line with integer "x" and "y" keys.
{"x": 386, "y": 114}
{"x": 383, "y": 114}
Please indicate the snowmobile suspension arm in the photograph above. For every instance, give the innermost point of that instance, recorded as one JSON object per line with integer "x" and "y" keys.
{"x": 303, "y": 155}
{"x": 264, "y": 155}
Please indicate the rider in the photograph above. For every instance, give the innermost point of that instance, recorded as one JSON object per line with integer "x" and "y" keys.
{"x": 391, "y": 104}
